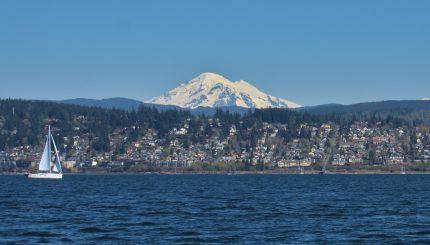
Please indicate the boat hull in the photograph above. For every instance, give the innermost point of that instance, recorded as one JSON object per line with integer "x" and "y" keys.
{"x": 45, "y": 176}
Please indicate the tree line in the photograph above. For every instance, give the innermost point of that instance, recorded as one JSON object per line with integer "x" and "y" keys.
{"x": 23, "y": 122}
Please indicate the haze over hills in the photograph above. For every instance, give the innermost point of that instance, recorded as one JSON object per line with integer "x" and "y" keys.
{"x": 379, "y": 106}
{"x": 118, "y": 103}
{"x": 213, "y": 90}
{"x": 209, "y": 91}
{"x": 130, "y": 104}
{"x": 390, "y": 105}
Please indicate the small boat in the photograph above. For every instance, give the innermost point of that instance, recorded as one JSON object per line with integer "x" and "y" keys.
{"x": 49, "y": 168}
{"x": 403, "y": 170}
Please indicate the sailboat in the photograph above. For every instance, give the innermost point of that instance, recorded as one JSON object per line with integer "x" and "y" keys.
{"x": 49, "y": 169}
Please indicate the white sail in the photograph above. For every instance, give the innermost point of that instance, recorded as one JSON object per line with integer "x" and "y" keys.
{"x": 45, "y": 164}
{"x": 55, "y": 168}
{"x": 57, "y": 164}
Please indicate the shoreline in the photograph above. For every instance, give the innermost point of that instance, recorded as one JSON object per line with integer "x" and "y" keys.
{"x": 267, "y": 172}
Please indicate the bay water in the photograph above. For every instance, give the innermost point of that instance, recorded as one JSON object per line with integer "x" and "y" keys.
{"x": 252, "y": 209}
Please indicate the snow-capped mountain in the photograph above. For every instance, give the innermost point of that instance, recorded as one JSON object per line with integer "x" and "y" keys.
{"x": 213, "y": 90}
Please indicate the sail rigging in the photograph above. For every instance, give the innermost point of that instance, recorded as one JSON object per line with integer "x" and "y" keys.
{"x": 57, "y": 164}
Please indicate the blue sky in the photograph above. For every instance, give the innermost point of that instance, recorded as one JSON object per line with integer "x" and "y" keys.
{"x": 310, "y": 52}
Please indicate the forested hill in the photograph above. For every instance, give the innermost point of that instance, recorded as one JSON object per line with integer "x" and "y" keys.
{"x": 24, "y": 122}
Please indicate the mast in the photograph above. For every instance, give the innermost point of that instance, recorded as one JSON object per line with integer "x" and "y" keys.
{"x": 49, "y": 147}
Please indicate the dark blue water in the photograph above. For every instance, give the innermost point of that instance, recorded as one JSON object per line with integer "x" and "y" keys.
{"x": 216, "y": 209}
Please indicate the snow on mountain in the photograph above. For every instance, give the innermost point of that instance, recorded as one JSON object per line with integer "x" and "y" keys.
{"x": 213, "y": 90}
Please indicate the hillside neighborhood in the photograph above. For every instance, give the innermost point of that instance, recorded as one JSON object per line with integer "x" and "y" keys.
{"x": 316, "y": 145}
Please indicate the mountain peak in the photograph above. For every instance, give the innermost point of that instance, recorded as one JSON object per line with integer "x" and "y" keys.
{"x": 209, "y": 79}
{"x": 210, "y": 76}
{"x": 213, "y": 90}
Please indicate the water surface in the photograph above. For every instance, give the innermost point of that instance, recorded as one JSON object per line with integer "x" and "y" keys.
{"x": 253, "y": 209}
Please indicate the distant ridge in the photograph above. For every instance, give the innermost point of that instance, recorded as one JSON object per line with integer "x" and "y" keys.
{"x": 117, "y": 103}
{"x": 388, "y": 105}
{"x": 129, "y": 104}
{"x": 110, "y": 103}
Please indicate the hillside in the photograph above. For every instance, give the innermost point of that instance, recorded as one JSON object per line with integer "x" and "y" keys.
{"x": 261, "y": 137}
